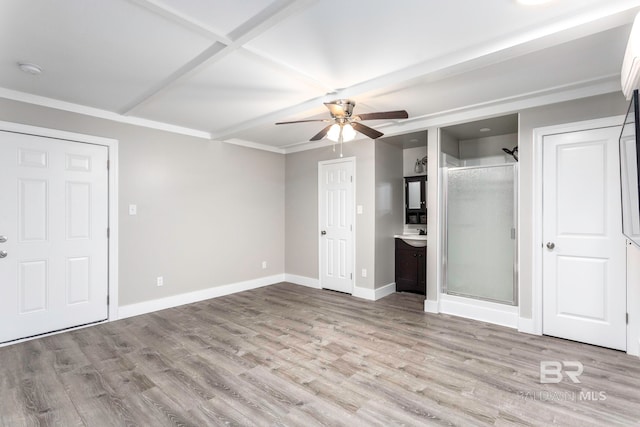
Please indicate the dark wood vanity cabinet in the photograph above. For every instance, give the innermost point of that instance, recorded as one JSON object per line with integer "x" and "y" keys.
{"x": 415, "y": 199}
{"x": 411, "y": 268}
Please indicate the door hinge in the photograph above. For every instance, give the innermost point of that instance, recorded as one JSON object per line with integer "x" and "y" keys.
{"x": 107, "y": 299}
{"x": 108, "y": 232}
{"x": 513, "y": 233}
{"x": 351, "y": 178}
{"x": 108, "y": 164}
{"x": 351, "y": 276}
{"x": 351, "y": 227}
{"x": 627, "y": 318}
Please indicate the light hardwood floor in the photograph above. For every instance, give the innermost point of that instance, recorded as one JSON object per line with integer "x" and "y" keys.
{"x": 286, "y": 355}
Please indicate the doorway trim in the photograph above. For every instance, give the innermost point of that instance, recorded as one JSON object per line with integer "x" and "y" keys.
{"x": 112, "y": 147}
{"x": 353, "y": 213}
{"x": 535, "y": 323}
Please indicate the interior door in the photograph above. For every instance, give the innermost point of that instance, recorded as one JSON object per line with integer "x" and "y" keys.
{"x": 53, "y": 219}
{"x": 336, "y": 225}
{"x": 584, "y": 280}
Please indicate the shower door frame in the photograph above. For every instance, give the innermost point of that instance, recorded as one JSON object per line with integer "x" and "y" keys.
{"x": 445, "y": 243}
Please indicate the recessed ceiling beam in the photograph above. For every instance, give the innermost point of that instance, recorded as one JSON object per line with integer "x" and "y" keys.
{"x": 253, "y": 27}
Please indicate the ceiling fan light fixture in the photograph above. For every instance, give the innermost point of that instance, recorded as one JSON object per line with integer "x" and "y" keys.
{"x": 348, "y": 132}
{"x": 334, "y": 132}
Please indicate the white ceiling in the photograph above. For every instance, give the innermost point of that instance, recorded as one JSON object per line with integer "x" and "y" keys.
{"x": 232, "y": 69}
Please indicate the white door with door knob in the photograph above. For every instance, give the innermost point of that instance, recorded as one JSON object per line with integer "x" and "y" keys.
{"x": 335, "y": 214}
{"x": 54, "y": 245}
{"x": 584, "y": 252}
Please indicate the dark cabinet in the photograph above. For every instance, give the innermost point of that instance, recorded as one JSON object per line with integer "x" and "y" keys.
{"x": 415, "y": 199}
{"x": 411, "y": 268}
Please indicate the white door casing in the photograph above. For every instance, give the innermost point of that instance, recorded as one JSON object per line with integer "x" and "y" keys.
{"x": 583, "y": 265}
{"x": 336, "y": 183}
{"x": 54, "y": 213}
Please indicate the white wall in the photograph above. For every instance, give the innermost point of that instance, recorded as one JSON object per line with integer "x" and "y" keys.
{"x": 209, "y": 213}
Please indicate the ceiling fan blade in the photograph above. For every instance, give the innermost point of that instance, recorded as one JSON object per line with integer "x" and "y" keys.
{"x": 399, "y": 114}
{"x": 321, "y": 134}
{"x": 302, "y": 121}
{"x": 370, "y": 132}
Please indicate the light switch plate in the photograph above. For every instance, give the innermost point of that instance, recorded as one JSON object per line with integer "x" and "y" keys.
{"x": 133, "y": 209}
{"x": 359, "y": 209}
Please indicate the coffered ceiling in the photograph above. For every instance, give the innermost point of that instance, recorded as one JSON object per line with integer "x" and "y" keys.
{"x": 228, "y": 70}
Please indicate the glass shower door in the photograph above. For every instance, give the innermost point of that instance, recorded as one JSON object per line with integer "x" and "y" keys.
{"x": 480, "y": 233}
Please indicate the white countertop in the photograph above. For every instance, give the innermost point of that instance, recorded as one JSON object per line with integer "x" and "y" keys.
{"x": 411, "y": 236}
{"x": 417, "y": 240}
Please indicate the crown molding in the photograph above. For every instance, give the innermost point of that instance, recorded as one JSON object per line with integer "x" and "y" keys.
{"x": 99, "y": 113}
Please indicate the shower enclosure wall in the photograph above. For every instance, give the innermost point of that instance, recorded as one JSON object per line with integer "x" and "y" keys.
{"x": 480, "y": 242}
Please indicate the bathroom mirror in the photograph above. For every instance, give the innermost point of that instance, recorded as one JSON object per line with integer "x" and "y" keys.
{"x": 414, "y": 197}
{"x": 415, "y": 200}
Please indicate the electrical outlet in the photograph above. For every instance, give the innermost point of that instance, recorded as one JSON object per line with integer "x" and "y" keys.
{"x": 359, "y": 209}
{"x": 264, "y": 264}
{"x": 133, "y": 210}
{"x": 160, "y": 281}
{"x": 364, "y": 272}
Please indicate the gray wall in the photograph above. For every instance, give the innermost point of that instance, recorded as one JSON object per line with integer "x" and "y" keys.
{"x": 389, "y": 213}
{"x": 566, "y": 112}
{"x": 487, "y": 147}
{"x": 410, "y": 155}
{"x": 301, "y": 210}
{"x": 449, "y": 144}
{"x": 209, "y": 213}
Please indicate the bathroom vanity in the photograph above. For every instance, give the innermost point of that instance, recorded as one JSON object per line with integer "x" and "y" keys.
{"x": 411, "y": 263}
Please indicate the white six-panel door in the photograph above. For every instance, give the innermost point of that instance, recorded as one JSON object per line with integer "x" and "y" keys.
{"x": 584, "y": 283}
{"x": 336, "y": 225}
{"x": 54, "y": 216}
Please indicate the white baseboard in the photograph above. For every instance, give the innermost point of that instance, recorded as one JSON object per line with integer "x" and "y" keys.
{"x": 385, "y": 290}
{"x": 364, "y": 293}
{"x": 374, "y": 294}
{"x": 191, "y": 297}
{"x": 302, "y": 281}
{"x": 358, "y": 292}
{"x": 527, "y": 326}
{"x": 431, "y": 306}
{"x": 484, "y": 311}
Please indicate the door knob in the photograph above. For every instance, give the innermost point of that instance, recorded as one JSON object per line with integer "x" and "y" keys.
{"x": 3, "y": 239}
{"x": 3, "y": 254}
{"x": 323, "y": 232}
{"x": 551, "y": 245}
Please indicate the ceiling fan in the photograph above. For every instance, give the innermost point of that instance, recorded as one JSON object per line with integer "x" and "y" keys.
{"x": 344, "y": 125}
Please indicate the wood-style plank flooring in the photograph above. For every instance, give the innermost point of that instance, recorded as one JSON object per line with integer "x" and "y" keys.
{"x": 287, "y": 355}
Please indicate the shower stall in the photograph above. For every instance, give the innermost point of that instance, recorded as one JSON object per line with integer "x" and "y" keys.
{"x": 480, "y": 238}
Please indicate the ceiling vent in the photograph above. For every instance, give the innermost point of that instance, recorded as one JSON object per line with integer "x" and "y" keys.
{"x": 630, "y": 74}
